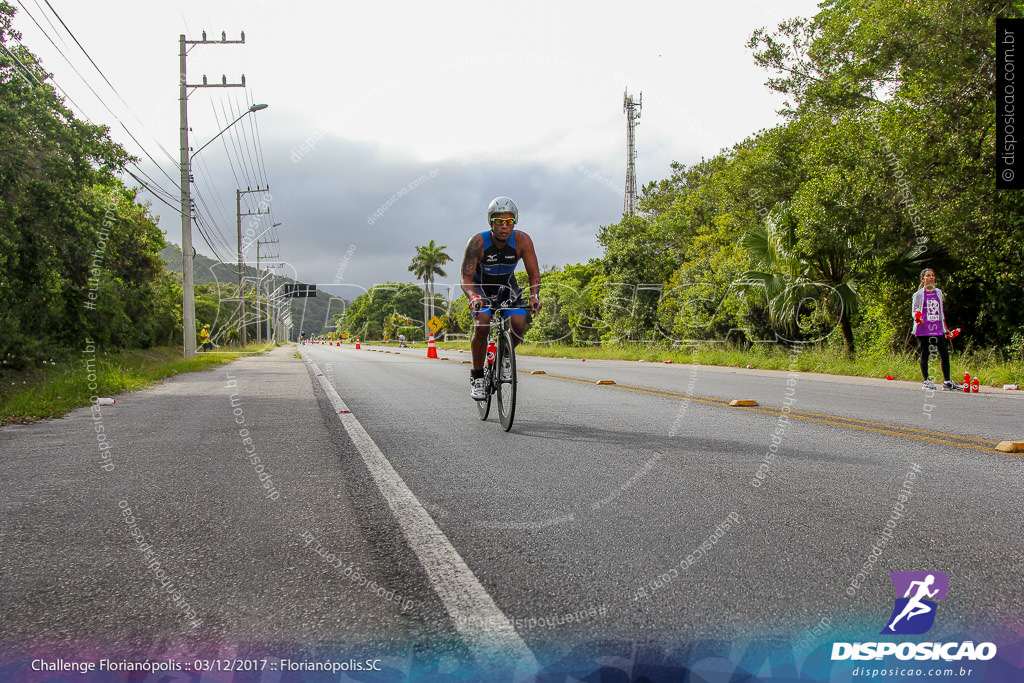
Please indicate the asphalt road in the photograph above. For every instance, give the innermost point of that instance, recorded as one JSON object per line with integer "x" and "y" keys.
{"x": 600, "y": 493}
{"x": 645, "y": 514}
{"x": 83, "y": 525}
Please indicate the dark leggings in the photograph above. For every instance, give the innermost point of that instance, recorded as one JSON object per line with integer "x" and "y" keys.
{"x": 928, "y": 346}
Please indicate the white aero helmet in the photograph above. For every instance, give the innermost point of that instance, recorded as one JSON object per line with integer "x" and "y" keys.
{"x": 502, "y": 205}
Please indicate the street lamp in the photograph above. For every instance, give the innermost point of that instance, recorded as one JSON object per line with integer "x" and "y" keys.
{"x": 255, "y": 107}
{"x": 188, "y": 299}
{"x": 248, "y": 244}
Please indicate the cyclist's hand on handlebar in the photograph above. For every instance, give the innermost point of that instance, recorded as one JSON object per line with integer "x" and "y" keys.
{"x": 475, "y": 304}
{"x": 535, "y": 305}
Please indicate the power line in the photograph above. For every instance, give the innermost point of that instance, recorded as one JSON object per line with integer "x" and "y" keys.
{"x": 215, "y": 231}
{"x": 37, "y": 83}
{"x": 259, "y": 142}
{"x": 43, "y": 13}
{"x": 250, "y": 169}
{"x": 152, "y": 192}
{"x": 152, "y": 186}
{"x": 169, "y": 195}
{"x": 148, "y": 156}
{"x": 91, "y": 89}
{"x": 224, "y": 142}
{"x": 233, "y": 134}
{"x": 248, "y": 152}
{"x": 200, "y": 224}
{"x": 61, "y": 53}
{"x": 104, "y": 77}
{"x": 218, "y": 202}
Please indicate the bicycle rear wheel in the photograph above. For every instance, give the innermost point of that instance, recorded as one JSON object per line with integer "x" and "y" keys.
{"x": 484, "y": 406}
{"x": 505, "y": 366}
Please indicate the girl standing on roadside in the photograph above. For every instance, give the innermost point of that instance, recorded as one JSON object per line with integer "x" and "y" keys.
{"x": 930, "y": 328}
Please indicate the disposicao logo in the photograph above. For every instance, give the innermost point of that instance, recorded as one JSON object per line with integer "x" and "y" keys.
{"x": 914, "y": 613}
{"x": 916, "y": 593}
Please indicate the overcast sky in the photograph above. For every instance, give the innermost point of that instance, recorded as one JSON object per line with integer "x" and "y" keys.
{"x": 393, "y": 123}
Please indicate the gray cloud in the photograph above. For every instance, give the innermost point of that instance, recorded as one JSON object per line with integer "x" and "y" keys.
{"x": 353, "y": 208}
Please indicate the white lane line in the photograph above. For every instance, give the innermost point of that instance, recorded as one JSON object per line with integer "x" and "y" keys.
{"x": 482, "y": 625}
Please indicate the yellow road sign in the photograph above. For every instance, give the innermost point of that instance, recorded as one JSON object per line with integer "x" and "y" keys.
{"x": 435, "y": 324}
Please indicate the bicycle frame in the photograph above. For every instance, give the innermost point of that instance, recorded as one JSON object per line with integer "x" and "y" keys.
{"x": 500, "y": 332}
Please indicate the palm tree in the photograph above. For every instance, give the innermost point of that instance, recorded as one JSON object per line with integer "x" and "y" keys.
{"x": 425, "y": 265}
{"x": 790, "y": 278}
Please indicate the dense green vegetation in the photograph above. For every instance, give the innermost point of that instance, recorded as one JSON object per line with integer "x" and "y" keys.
{"x": 79, "y": 256}
{"x": 390, "y": 309}
{"x": 818, "y": 228}
{"x": 215, "y": 280}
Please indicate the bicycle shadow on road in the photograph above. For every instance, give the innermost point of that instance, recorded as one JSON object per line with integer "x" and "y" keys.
{"x": 700, "y": 442}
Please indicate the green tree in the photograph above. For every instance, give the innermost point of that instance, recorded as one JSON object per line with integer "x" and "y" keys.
{"x": 79, "y": 255}
{"x": 427, "y": 263}
{"x": 798, "y": 285}
{"x": 573, "y": 298}
{"x": 920, "y": 76}
{"x": 365, "y": 317}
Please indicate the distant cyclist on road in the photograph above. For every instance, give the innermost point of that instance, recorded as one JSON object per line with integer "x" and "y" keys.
{"x": 302, "y": 338}
{"x": 488, "y": 279}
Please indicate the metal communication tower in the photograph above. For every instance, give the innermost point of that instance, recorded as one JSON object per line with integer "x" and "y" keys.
{"x": 632, "y": 111}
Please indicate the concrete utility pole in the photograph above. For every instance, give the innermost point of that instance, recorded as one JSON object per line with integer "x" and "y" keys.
{"x": 188, "y": 298}
{"x": 259, "y": 284}
{"x": 241, "y": 292}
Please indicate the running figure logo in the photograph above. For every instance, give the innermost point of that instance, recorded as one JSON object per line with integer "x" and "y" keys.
{"x": 916, "y": 593}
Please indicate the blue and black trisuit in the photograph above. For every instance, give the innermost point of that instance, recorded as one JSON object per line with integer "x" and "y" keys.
{"x": 495, "y": 275}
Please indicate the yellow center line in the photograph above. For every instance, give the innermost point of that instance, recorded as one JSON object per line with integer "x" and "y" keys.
{"x": 849, "y": 422}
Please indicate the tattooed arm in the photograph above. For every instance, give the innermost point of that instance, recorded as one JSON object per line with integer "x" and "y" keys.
{"x": 474, "y": 252}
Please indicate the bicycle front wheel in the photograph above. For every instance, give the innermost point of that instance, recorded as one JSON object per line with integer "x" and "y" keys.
{"x": 506, "y": 368}
{"x": 484, "y": 406}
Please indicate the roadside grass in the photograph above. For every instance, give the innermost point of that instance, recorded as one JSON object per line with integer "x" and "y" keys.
{"x": 990, "y": 367}
{"x": 71, "y": 382}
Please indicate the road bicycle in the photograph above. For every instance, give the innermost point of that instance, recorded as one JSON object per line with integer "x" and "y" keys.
{"x": 500, "y": 369}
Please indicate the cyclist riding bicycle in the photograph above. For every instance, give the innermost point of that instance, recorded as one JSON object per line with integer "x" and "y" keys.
{"x": 302, "y": 338}
{"x": 489, "y": 280}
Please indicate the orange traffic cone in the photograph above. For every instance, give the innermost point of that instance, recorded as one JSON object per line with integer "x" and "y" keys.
{"x": 431, "y": 347}
{"x": 357, "y": 343}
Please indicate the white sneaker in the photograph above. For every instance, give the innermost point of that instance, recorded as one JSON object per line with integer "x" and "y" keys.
{"x": 479, "y": 390}
{"x": 928, "y": 384}
{"x": 506, "y": 369}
